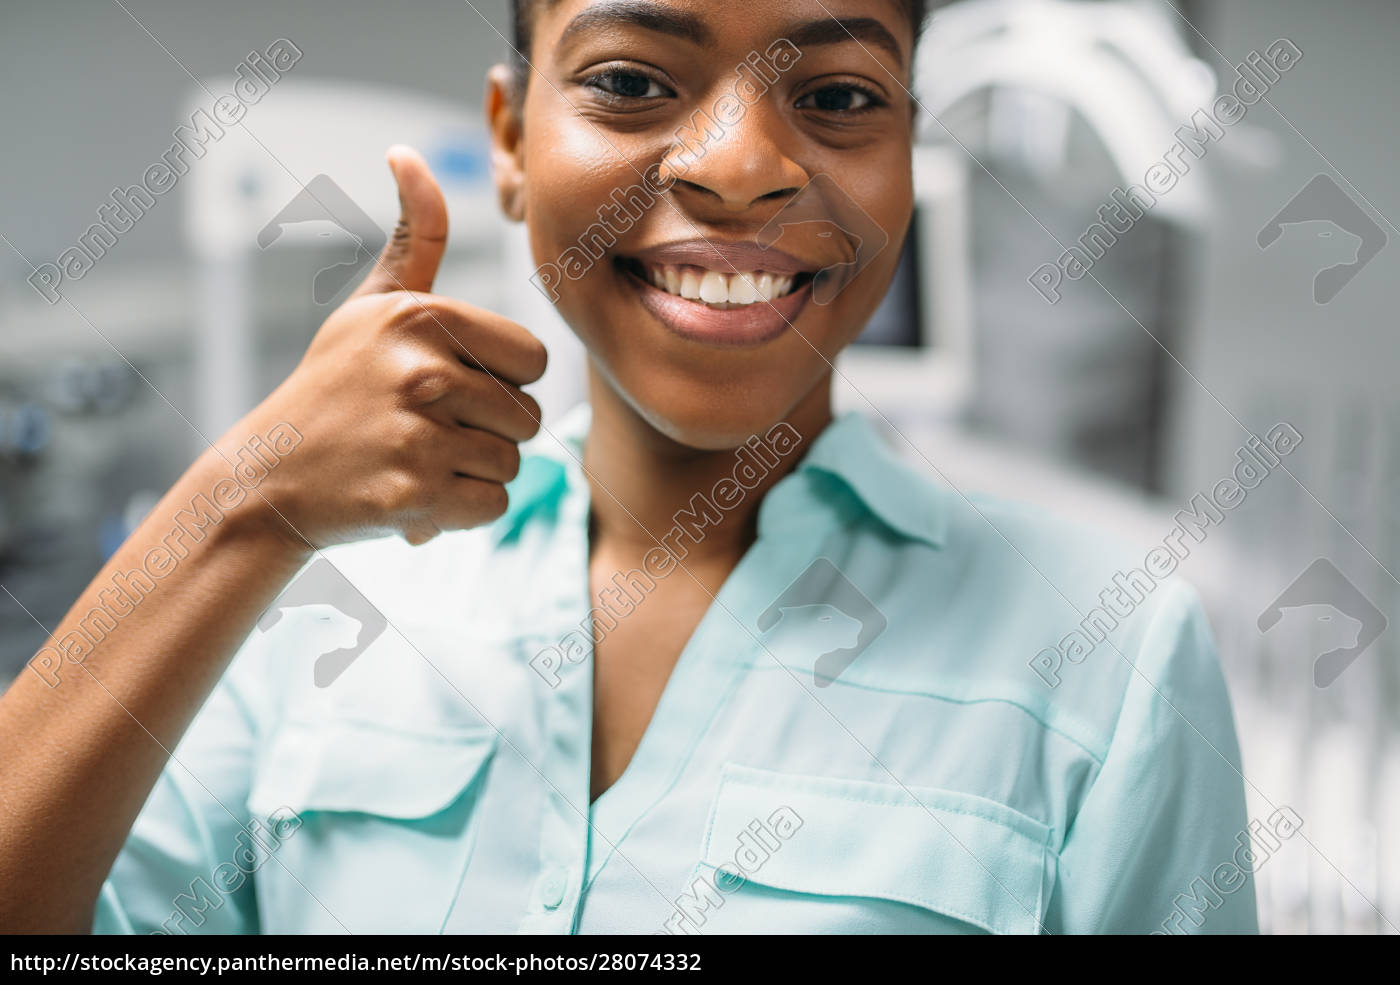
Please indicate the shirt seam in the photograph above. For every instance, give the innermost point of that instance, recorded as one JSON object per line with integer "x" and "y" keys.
{"x": 1172, "y": 599}
{"x": 1096, "y": 756}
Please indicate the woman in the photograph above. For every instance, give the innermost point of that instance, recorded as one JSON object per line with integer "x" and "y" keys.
{"x": 707, "y": 661}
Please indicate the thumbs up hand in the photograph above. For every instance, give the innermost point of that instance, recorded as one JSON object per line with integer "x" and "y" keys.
{"x": 408, "y": 403}
{"x": 411, "y": 257}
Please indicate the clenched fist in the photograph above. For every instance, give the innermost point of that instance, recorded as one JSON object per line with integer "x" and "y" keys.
{"x": 408, "y": 403}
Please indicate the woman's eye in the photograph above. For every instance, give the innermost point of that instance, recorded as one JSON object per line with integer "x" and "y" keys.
{"x": 627, "y": 85}
{"x": 837, "y": 99}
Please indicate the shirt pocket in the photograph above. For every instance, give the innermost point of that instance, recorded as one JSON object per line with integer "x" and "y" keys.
{"x": 805, "y": 854}
{"x": 383, "y": 828}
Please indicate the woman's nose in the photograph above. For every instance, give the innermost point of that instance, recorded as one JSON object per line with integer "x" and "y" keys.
{"x": 734, "y": 159}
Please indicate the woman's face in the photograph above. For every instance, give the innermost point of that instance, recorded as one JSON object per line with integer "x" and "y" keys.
{"x": 755, "y": 153}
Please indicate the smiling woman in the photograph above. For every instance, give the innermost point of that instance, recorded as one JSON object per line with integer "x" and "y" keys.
{"x": 831, "y": 648}
{"x": 626, "y": 206}
{"x": 613, "y": 88}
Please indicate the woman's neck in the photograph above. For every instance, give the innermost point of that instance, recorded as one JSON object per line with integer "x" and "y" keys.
{"x": 642, "y": 481}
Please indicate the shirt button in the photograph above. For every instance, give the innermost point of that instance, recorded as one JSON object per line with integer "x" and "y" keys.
{"x": 553, "y": 887}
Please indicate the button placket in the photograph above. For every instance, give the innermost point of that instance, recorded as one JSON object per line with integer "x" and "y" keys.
{"x": 568, "y": 717}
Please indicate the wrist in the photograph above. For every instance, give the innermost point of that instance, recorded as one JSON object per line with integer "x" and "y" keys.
{"x": 231, "y": 493}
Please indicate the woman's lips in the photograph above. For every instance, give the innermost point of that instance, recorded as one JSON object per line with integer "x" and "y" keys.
{"x": 749, "y": 325}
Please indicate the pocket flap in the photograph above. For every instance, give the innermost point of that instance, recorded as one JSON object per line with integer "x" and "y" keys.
{"x": 364, "y": 768}
{"x": 953, "y": 853}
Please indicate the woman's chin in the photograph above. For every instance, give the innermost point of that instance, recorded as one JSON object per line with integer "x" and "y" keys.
{"x": 710, "y": 407}
{"x": 708, "y": 432}
{"x": 715, "y": 421}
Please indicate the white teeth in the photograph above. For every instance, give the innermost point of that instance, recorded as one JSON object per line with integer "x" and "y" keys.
{"x": 742, "y": 289}
{"x": 713, "y": 287}
{"x": 690, "y": 285}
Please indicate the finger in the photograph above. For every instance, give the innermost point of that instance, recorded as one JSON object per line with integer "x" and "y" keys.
{"x": 477, "y": 337}
{"x": 478, "y": 454}
{"x": 466, "y": 502}
{"x": 488, "y": 404}
{"x": 411, "y": 257}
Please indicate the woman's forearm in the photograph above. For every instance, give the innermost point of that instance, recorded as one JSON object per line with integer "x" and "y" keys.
{"x": 87, "y": 727}
{"x": 403, "y": 418}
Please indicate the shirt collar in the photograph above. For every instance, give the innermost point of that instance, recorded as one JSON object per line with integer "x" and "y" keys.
{"x": 850, "y": 450}
{"x": 545, "y": 471}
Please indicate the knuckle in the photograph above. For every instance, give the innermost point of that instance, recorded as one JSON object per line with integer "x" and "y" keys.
{"x": 401, "y": 237}
{"x": 494, "y": 501}
{"x": 536, "y": 358}
{"x": 413, "y": 313}
{"x": 424, "y": 381}
{"x": 530, "y": 407}
{"x": 395, "y": 492}
{"x": 512, "y": 461}
{"x": 507, "y": 458}
{"x": 401, "y": 308}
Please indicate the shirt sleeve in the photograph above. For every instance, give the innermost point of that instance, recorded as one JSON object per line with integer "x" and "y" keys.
{"x": 1161, "y": 844}
{"x": 187, "y": 865}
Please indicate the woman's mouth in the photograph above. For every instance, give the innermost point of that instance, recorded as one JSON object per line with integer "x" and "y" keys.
{"x": 719, "y": 307}
{"x": 715, "y": 288}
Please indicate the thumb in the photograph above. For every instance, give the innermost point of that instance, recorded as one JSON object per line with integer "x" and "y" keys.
{"x": 410, "y": 259}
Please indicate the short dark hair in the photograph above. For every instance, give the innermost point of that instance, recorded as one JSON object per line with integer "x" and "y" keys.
{"x": 522, "y": 14}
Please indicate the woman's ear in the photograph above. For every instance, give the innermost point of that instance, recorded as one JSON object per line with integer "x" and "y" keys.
{"x": 503, "y": 108}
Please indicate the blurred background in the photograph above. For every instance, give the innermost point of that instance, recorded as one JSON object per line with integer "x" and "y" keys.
{"x": 1114, "y": 390}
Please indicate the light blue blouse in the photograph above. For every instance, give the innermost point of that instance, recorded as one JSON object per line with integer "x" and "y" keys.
{"x": 861, "y": 735}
